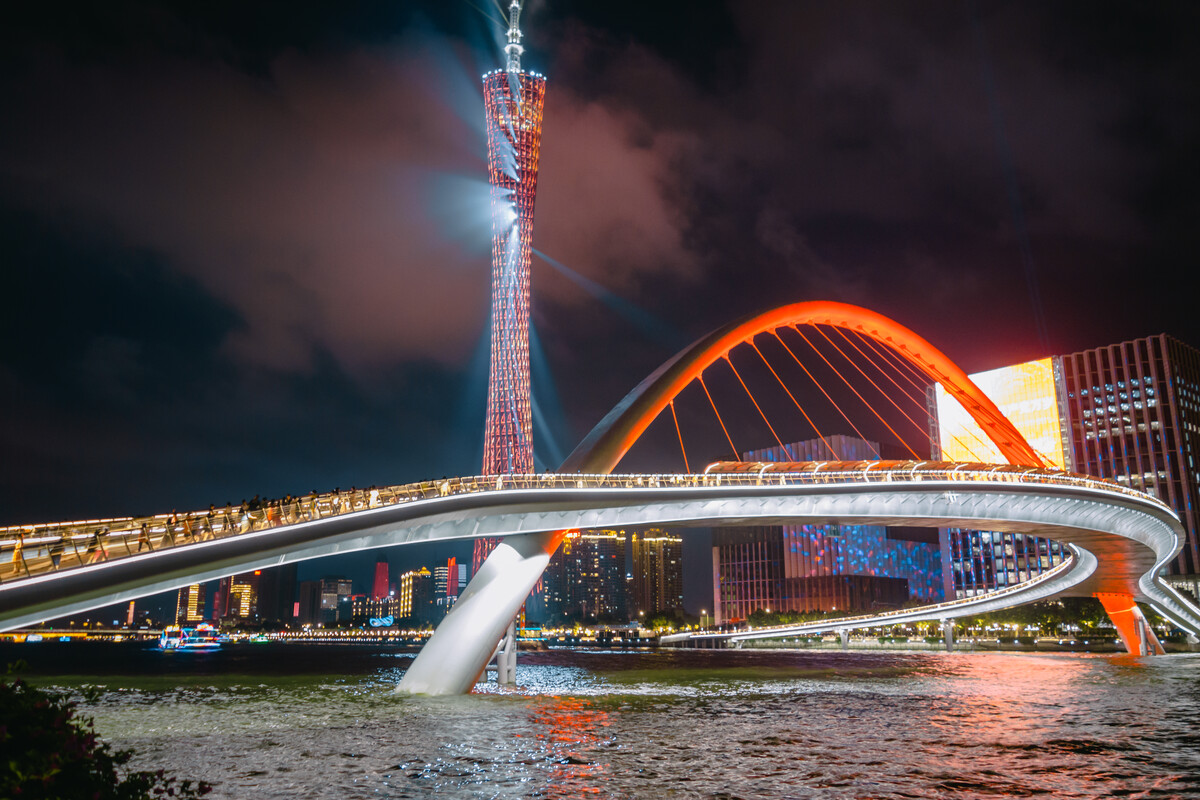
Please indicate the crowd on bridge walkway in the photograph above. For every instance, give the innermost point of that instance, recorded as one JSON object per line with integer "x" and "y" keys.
{"x": 28, "y": 550}
{"x": 34, "y": 549}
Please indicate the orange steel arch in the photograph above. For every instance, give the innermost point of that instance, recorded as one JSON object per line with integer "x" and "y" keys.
{"x": 608, "y": 442}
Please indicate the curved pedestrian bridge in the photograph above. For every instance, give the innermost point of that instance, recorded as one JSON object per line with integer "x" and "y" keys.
{"x": 1120, "y": 538}
{"x": 1046, "y": 584}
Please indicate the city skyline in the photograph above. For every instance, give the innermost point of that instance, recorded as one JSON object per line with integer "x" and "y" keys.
{"x": 162, "y": 379}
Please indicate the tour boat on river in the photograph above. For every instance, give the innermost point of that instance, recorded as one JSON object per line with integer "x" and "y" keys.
{"x": 198, "y": 639}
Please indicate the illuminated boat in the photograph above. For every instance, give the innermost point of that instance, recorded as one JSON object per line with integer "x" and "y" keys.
{"x": 198, "y": 639}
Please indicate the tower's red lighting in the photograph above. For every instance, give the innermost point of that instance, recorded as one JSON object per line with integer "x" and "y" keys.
{"x": 513, "y": 101}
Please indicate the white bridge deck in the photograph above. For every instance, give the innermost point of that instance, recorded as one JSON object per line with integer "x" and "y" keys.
{"x": 1120, "y": 538}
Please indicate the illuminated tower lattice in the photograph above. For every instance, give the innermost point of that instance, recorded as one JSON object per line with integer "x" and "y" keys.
{"x": 513, "y": 101}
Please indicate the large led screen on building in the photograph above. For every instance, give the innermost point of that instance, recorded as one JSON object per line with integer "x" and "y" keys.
{"x": 1025, "y": 394}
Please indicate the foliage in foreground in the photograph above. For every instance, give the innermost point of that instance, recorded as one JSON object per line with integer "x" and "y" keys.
{"x": 48, "y": 752}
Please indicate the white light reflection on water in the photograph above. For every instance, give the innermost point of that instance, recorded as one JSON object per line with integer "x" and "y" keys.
{"x": 801, "y": 724}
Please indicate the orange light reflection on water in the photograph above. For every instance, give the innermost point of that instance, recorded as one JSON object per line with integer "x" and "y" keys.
{"x": 572, "y": 731}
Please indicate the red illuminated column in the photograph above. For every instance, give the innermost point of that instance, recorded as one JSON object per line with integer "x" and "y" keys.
{"x": 1135, "y": 632}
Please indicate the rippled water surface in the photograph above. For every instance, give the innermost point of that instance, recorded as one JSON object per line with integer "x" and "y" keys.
{"x": 280, "y": 721}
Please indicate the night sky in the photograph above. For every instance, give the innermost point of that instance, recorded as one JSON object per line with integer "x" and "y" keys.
{"x": 245, "y": 245}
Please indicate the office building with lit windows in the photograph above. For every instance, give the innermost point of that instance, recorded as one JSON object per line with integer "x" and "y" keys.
{"x": 414, "y": 591}
{"x": 236, "y": 597}
{"x": 1129, "y": 412}
{"x": 1133, "y": 415}
{"x": 189, "y": 604}
{"x": 448, "y": 580}
{"x": 802, "y": 568}
{"x": 373, "y": 610}
{"x": 586, "y": 577}
{"x": 657, "y": 573}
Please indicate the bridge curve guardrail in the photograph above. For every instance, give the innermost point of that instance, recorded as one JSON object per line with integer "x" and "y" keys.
{"x": 948, "y": 609}
{"x": 37, "y": 549}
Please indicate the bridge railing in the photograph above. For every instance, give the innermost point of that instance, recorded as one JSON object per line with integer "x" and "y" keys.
{"x": 945, "y": 609}
{"x": 29, "y": 550}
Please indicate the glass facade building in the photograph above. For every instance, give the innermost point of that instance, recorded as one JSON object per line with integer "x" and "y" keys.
{"x": 803, "y": 568}
{"x": 1129, "y": 412}
{"x": 448, "y": 580}
{"x": 1033, "y": 396}
{"x": 1133, "y": 415}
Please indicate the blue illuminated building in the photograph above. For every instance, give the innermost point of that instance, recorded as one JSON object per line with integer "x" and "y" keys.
{"x": 822, "y": 567}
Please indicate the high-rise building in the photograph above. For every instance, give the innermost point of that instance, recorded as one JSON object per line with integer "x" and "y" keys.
{"x": 381, "y": 588}
{"x": 325, "y": 602}
{"x": 243, "y": 596}
{"x": 236, "y": 597}
{"x": 415, "y": 595}
{"x": 513, "y": 100}
{"x": 277, "y": 594}
{"x": 308, "y": 606}
{"x": 1129, "y": 412}
{"x": 657, "y": 571}
{"x": 1032, "y": 396}
{"x": 801, "y": 568}
{"x": 586, "y": 577}
{"x": 448, "y": 580}
{"x": 1133, "y": 415}
{"x": 189, "y": 606}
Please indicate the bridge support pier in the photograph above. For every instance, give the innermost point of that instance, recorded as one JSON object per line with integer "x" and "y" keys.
{"x": 948, "y": 634}
{"x": 1135, "y": 632}
{"x": 463, "y": 644}
{"x": 844, "y": 635}
{"x": 506, "y": 657}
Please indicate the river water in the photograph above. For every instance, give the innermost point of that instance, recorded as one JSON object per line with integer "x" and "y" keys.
{"x": 313, "y": 721}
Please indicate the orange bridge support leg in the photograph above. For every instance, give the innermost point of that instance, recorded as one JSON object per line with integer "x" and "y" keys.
{"x": 1131, "y": 624}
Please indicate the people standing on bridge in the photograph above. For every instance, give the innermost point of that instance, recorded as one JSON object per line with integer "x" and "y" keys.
{"x": 169, "y": 530}
{"x": 95, "y": 549}
{"x": 143, "y": 539}
{"x": 56, "y": 552}
{"x": 206, "y": 532}
{"x": 18, "y": 555}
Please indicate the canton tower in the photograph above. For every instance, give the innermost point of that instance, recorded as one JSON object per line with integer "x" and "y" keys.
{"x": 513, "y": 102}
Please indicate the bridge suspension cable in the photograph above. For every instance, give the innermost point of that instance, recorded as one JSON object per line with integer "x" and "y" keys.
{"x": 752, "y": 400}
{"x": 679, "y": 433}
{"x": 792, "y": 397}
{"x": 817, "y": 383}
{"x": 736, "y": 455}
{"x": 922, "y": 429}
